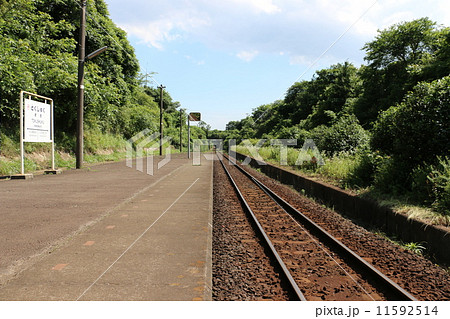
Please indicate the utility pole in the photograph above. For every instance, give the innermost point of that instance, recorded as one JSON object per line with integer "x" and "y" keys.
{"x": 189, "y": 136}
{"x": 161, "y": 87}
{"x": 82, "y": 58}
{"x": 80, "y": 110}
{"x": 181, "y": 130}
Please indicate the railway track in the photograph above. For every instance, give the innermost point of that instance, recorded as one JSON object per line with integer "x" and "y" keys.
{"x": 313, "y": 265}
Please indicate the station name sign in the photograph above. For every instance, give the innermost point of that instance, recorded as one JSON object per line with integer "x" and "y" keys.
{"x": 195, "y": 117}
{"x": 37, "y": 121}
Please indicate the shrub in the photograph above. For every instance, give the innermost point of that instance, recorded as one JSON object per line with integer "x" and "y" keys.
{"x": 136, "y": 118}
{"x": 390, "y": 176}
{"x": 421, "y": 185}
{"x": 9, "y": 146}
{"x": 412, "y": 134}
{"x": 345, "y": 135}
{"x": 363, "y": 170}
{"x": 440, "y": 185}
{"x": 416, "y": 130}
{"x": 319, "y": 135}
{"x": 294, "y": 132}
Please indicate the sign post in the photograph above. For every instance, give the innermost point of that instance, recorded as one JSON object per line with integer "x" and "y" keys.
{"x": 36, "y": 125}
{"x": 194, "y": 117}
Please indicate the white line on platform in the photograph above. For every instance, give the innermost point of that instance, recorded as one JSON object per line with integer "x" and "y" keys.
{"x": 176, "y": 200}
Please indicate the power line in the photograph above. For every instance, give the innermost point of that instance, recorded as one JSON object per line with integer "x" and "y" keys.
{"x": 324, "y": 52}
{"x": 334, "y": 43}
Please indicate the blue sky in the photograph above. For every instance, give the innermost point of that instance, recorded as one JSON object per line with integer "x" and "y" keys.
{"x": 224, "y": 58}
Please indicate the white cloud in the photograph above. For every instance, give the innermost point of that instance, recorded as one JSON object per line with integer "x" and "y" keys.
{"x": 168, "y": 27}
{"x": 297, "y": 27}
{"x": 195, "y": 61}
{"x": 300, "y": 60}
{"x": 153, "y": 33}
{"x": 247, "y": 56}
{"x": 444, "y": 8}
{"x": 264, "y": 6}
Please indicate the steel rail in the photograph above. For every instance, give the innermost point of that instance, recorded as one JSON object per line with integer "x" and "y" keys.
{"x": 393, "y": 290}
{"x": 292, "y": 285}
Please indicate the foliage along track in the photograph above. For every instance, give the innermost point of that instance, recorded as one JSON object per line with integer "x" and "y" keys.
{"x": 416, "y": 274}
{"x": 321, "y": 274}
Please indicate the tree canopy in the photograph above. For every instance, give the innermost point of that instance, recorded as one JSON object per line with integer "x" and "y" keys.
{"x": 394, "y": 110}
{"x": 38, "y": 46}
{"x": 398, "y": 59}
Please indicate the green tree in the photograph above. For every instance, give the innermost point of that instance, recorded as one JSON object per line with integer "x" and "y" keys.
{"x": 299, "y": 101}
{"x": 394, "y": 51}
{"x": 416, "y": 131}
{"x": 336, "y": 87}
{"x": 36, "y": 56}
{"x": 320, "y": 100}
{"x": 436, "y": 64}
{"x": 38, "y": 45}
{"x": 39, "y": 53}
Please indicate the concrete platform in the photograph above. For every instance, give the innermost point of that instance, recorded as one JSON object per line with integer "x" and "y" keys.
{"x": 154, "y": 245}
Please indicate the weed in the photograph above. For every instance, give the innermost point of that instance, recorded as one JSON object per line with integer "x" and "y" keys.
{"x": 415, "y": 248}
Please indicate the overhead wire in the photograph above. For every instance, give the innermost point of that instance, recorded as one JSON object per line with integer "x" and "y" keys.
{"x": 323, "y": 53}
{"x": 301, "y": 76}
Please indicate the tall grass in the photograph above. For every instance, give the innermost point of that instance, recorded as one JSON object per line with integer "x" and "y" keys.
{"x": 97, "y": 141}
{"x": 338, "y": 168}
{"x": 99, "y": 147}
{"x": 359, "y": 171}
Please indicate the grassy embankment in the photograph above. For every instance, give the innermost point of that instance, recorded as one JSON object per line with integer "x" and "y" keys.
{"x": 99, "y": 147}
{"x": 340, "y": 171}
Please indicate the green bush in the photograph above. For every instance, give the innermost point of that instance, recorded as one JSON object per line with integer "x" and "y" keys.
{"x": 416, "y": 130}
{"x": 293, "y": 132}
{"x": 363, "y": 169}
{"x": 390, "y": 176}
{"x": 345, "y": 135}
{"x": 137, "y": 118}
{"x": 421, "y": 185}
{"x": 440, "y": 185}
{"x": 9, "y": 146}
{"x": 319, "y": 135}
{"x": 65, "y": 142}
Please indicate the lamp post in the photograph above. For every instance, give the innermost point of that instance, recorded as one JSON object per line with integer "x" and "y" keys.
{"x": 81, "y": 60}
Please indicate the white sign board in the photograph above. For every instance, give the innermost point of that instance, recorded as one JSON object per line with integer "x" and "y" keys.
{"x": 37, "y": 122}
